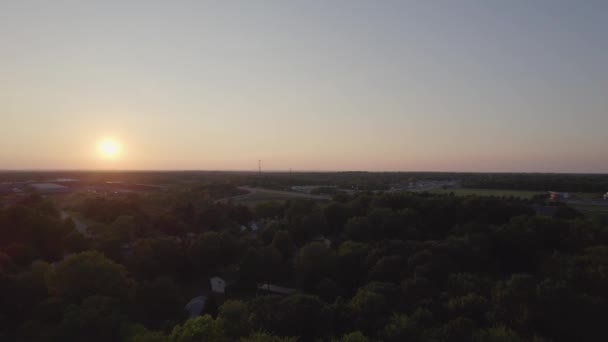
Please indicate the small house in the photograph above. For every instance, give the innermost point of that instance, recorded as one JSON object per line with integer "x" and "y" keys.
{"x": 220, "y": 284}
{"x": 49, "y": 188}
{"x": 558, "y": 196}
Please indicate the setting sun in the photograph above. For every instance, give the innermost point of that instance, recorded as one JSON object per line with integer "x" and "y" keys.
{"x": 109, "y": 148}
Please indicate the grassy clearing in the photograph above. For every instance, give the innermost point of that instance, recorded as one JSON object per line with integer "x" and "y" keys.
{"x": 526, "y": 194}
{"x": 258, "y": 196}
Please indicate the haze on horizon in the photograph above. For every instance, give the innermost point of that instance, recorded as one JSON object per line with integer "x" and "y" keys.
{"x": 308, "y": 85}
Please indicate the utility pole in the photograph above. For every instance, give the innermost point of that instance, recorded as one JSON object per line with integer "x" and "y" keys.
{"x": 260, "y": 167}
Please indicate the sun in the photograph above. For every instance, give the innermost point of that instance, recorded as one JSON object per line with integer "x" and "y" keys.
{"x": 109, "y": 148}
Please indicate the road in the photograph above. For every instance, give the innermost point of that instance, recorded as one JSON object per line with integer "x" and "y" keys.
{"x": 80, "y": 226}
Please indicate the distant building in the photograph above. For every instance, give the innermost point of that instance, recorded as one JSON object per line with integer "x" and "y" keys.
{"x": 11, "y": 188}
{"x": 559, "y": 196}
{"x": 196, "y": 306}
{"x": 49, "y": 188}
{"x": 220, "y": 284}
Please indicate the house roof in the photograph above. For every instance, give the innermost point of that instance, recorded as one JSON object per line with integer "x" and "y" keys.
{"x": 276, "y": 289}
{"x": 196, "y": 305}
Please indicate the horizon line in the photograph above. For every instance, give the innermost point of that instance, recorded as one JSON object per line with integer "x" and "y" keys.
{"x": 42, "y": 170}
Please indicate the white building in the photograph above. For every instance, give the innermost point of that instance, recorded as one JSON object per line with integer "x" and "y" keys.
{"x": 218, "y": 285}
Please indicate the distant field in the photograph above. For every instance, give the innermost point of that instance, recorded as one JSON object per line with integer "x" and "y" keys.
{"x": 488, "y": 192}
{"x": 258, "y": 195}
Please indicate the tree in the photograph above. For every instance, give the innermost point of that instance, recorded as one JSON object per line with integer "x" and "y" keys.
{"x": 371, "y": 305}
{"x": 350, "y": 270}
{"x": 389, "y": 269}
{"x": 359, "y": 229}
{"x": 458, "y": 330}
{"x": 414, "y": 327}
{"x": 266, "y": 337}
{"x": 75, "y": 242}
{"x": 499, "y": 334}
{"x": 149, "y": 336}
{"x": 514, "y": 302}
{"x": 212, "y": 250}
{"x": 269, "y": 210}
{"x": 158, "y": 303}
{"x": 305, "y": 227}
{"x": 150, "y": 258}
{"x": 306, "y": 316}
{"x": 355, "y": 336}
{"x": 314, "y": 262}
{"x": 336, "y": 215}
{"x": 201, "y": 328}
{"x": 87, "y": 274}
{"x": 471, "y": 306}
{"x": 98, "y": 318}
{"x": 235, "y": 317}
{"x": 266, "y": 312}
{"x": 272, "y": 266}
{"x": 283, "y": 242}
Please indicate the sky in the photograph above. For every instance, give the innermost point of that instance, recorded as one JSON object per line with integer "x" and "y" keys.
{"x": 489, "y": 86}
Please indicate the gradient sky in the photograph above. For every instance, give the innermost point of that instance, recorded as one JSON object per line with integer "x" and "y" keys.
{"x": 308, "y": 85}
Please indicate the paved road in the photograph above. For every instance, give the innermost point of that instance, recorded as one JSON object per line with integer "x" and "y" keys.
{"x": 80, "y": 226}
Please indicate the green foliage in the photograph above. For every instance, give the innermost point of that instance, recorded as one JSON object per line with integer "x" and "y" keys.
{"x": 212, "y": 250}
{"x": 98, "y": 318}
{"x": 149, "y": 336}
{"x": 235, "y": 317}
{"x": 407, "y": 267}
{"x": 266, "y": 337}
{"x": 355, "y": 336}
{"x": 314, "y": 262}
{"x": 151, "y": 258}
{"x": 499, "y": 334}
{"x": 371, "y": 305}
{"x": 75, "y": 242}
{"x": 158, "y": 303}
{"x": 202, "y": 328}
{"x": 87, "y": 274}
{"x": 306, "y": 316}
{"x": 359, "y": 229}
{"x": 283, "y": 242}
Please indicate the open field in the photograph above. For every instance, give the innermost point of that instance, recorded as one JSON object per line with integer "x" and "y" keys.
{"x": 260, "y": 195}
{"x": 487, "y": 192}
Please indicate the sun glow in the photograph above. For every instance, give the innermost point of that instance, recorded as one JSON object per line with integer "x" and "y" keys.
{"x": 109, "y": 148}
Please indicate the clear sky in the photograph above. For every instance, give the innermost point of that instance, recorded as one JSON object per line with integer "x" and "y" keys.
{"x": 518, "y": 85}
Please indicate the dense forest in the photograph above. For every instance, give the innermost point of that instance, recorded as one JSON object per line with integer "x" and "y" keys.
{"x": 368, "y": 181}
{"x": 370, "y": 266}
